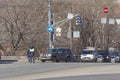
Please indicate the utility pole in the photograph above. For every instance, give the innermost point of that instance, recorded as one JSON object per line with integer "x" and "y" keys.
{"x": 49, "y": 23}
{"x": 71, "y": 35}
{"x": 71, "y": 31}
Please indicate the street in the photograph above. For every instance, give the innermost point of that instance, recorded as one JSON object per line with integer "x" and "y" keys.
{"x": 59, "y": 71}
{"x": 89, "y": 77}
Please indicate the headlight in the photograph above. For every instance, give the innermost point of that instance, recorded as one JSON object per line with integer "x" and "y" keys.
{"x": 49, "y": 54}
{"x": 107, "y": 57}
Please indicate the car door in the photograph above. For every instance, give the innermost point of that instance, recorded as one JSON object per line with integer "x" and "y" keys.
{"x": 59, "y": 54}
{"x": 63, "y": 53}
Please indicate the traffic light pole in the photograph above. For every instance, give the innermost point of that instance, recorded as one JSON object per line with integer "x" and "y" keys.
{"x": 49, "y": 23}
{"x": 69, "y": 17}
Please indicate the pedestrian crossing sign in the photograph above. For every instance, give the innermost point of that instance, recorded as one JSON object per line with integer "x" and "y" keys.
{"x": 50, "y": 28}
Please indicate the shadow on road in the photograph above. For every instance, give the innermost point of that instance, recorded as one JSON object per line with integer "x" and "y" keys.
{"x": 7, "y": 61}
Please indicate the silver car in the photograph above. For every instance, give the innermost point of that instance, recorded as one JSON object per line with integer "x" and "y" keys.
{"x": 88, "y": 55}
{"x": 115, "y": 56}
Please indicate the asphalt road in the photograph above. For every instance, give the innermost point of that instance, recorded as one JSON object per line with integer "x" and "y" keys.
{"x": 58, "y": 71}
{"x": 88, "y": 77}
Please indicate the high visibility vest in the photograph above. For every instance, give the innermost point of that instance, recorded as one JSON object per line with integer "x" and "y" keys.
{"x": 32, "y": 50}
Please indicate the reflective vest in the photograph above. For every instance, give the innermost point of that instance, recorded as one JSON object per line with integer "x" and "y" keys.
{"x": 32, "y": 50}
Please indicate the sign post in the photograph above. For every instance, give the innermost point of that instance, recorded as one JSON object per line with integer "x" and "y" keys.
{"x": 50, "y": 28}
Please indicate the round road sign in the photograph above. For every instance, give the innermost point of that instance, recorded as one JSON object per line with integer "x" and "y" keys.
{"x": 105, "y": 10}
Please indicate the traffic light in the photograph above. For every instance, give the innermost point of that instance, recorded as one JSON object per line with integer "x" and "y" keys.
{"x": 52, "y": 22}
{"x": 78, "y": 20}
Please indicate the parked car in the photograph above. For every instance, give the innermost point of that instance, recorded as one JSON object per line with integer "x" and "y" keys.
{"x": 88, "y": 55}
{"x": 115, "y": 56}
{"x": 103, "y": 55}
{"x": 56, "y": 55}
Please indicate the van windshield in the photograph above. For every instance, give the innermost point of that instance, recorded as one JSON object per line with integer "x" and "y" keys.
{"x": 88, "y": 52}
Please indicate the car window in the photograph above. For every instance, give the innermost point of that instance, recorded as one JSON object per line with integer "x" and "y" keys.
{"x": 87, "y": 52}
{"x": 52, "y": 50}
{"x": 102, "y": 53}
{"x": 60, "y": 51}
{"x": 114, "y": 53}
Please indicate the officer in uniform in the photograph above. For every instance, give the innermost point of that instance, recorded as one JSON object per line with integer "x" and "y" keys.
{"x": 30, "y": 54}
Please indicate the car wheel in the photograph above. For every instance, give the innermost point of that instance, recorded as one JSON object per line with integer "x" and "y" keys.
{"x": 43, "y": 60}
{"x": 68, "y": 59}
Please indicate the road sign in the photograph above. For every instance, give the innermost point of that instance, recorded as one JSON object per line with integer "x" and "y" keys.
{"x": 50, "y": 28}
{"x": 111, "y": 21}
{"x": 118, "y": 21}
{"x": 58, "y": 30}
{"x": 103, "y": 20}
{"x": 105, "y": 10}
{"x": 76, "y": 34}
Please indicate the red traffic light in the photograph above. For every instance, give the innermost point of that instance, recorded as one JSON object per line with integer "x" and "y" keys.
{"x": 105, "y": 10}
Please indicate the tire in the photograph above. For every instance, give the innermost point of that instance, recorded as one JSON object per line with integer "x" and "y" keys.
{"x": 68, "y": 59}
{"x": 43, "y": 60}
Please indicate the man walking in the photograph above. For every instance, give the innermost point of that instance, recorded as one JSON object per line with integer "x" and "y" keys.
{"x": 31, "y": 53}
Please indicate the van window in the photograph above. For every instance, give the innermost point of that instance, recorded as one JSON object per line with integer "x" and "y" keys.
{"x": 88, "y": 52}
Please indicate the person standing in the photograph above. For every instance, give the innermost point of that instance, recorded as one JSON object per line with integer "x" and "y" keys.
{"x": 31, "y": 54}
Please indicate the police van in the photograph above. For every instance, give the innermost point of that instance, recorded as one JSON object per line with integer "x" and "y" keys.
{"x": 89, "y": 54}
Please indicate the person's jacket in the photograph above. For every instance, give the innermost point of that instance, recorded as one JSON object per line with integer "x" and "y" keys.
{"x": 31, "y": 52}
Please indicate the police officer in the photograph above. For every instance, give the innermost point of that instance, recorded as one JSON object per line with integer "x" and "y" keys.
{"x": 31, "y": 53}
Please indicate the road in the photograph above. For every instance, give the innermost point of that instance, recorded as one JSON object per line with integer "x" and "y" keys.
{"x": 88, "y": 77}
{"x": 59, "y": 71}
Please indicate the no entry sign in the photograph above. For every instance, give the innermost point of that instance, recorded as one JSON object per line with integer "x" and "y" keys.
{"x": 105, "y": 10}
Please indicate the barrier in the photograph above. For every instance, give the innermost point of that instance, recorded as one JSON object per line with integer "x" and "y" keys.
{"x": 18, "y": 58}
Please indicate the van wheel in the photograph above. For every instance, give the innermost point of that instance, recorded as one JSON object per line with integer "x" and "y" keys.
{"x": 68, "y": 59}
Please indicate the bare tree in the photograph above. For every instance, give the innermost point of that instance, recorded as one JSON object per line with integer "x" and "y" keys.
{"x": 24, "y": 23}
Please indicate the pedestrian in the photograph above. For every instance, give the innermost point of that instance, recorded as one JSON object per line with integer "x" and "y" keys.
{"x": 31, "y": 54}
